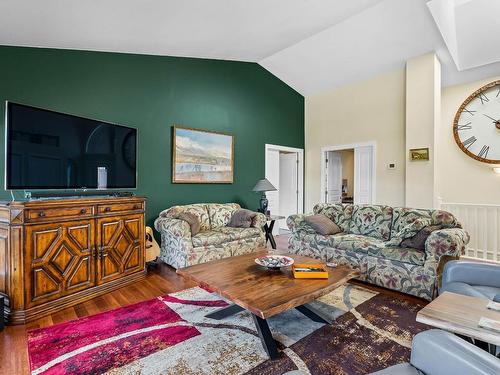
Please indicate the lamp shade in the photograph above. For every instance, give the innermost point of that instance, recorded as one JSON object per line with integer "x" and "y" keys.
{"x": 263, "y": 185}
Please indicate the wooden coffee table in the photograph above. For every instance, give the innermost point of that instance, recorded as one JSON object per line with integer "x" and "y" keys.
{"x": 460, "y": 314}
{"x": 262, "y": 292}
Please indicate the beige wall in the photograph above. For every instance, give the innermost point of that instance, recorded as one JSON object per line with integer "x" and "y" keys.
{"x": 423, "y": 110}
{"x": 348, "y": 170}
{"x": 462, "y": 179}
{"x": 371, "y": 110}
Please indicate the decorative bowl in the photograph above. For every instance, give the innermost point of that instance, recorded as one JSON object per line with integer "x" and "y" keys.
{"x": 274, "y": 262}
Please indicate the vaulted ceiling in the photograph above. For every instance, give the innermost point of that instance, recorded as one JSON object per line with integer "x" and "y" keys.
{"x": 312, "y": 45}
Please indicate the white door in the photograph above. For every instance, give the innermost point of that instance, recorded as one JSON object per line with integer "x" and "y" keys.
{"x": 288, "y": 192}
{"x": 334, "y": 177}
{"x": 363, "y": 175}
{"x": 273, "y": 176}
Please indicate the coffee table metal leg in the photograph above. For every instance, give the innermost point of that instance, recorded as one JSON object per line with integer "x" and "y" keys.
{"x": 225, "y": 312}
{"x": 313, "y": 314}
{"x": 266, "y": 337}
{"x": 268, "y": 229}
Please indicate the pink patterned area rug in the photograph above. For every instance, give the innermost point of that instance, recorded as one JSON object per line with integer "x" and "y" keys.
{"x": 170, "y": 335}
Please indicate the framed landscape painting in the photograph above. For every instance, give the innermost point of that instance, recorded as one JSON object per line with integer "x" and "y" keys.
{"x": 202, "y": 157}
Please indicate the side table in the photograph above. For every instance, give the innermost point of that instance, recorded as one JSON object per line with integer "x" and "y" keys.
{"x": 268, "y": 229}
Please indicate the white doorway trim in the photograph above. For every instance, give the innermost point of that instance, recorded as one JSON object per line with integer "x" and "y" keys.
{"x": 300, "y": 169}
{"x": 324, "y": 150}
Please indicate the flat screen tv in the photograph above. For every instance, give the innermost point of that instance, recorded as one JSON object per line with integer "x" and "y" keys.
{"x": 52, "y": 150}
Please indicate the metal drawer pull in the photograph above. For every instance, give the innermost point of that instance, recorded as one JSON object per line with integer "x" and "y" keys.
{"x": 41, "y": 214}
{"x": 107, "y": 209}
{"x": 83, "y": 211}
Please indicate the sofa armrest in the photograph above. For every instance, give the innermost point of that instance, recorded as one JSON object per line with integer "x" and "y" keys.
{"x": 173, "y": 227}
{"x": 259, "y": 221}
{"x": 450, "y": 242}
{"x": 473, "y": 273}
{"x": 296, "y": 223}
{"x": 438, "y": 352}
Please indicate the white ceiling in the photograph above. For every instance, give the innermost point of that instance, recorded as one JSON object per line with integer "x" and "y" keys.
{"x": 312, "y": 45}
{"x": 245, "y": 30}
{"x": 470, "y": 29}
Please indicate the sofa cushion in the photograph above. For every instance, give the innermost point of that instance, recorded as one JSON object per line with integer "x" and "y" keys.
{"x": 355, "y": 242}
{"x": 401, "y": 254}
{"x": 220, "y": 213}
{"x": 241, "y": 218}
{"x": 418, "y": 240}
{"x": 371, "y": 220}
{"x": 199, "y": 210}
{"x": 322, "y": 224}
{"x": 408, "y": 231}
{"x": 402, "y": 216}
{"x": 234, "y": 234}
{"x": 340, "y": 214}
{"x": 359, "y": 246}
{"x": 211, "y": 237}
{"x": 192, "y": 220}
{"x": 444, "y": 219}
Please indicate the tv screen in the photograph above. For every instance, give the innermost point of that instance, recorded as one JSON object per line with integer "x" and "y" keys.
{"x": 52, "y": 150}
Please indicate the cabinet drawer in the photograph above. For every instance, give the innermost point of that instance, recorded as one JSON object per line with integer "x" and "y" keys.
{"x": 119, "y": 207}
{"x": 62, "y": 212}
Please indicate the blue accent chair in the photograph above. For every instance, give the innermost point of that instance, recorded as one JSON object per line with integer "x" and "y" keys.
{"x": 473, "y": 279}
{"x": 437, "y": 352}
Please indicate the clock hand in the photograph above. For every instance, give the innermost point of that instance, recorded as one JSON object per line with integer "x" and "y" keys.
{"x": 491, "y": 118}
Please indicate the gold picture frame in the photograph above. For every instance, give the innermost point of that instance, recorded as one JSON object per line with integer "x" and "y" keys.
{"x": 202, "y": 156}
{"x": 419, "y": 154}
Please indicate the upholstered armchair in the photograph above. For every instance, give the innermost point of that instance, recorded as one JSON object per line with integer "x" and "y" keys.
{"x": 473, "y": 279}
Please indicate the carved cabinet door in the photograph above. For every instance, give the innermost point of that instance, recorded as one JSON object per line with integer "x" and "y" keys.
{"x": 59, "y": 259}
{"x": 121, "y": 246}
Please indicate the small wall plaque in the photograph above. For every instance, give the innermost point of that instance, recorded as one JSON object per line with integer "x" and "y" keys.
{"x": 419, "y": 154}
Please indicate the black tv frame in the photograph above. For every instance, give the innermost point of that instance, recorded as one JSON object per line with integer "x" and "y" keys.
{"x": 66, "y": 190}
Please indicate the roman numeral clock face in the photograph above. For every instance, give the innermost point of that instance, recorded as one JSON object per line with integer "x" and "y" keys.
{"x": 477, "y": 124}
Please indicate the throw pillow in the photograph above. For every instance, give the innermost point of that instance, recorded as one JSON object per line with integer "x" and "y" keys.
{"x": 322, "y": 224}
{"x": 242, "y": 218}
{"x": 418, "y": 240}
{"x": 192, "y": 220}
{"x": 409, "y": 230}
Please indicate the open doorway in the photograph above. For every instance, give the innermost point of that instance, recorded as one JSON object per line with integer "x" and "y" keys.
{"x": 284, "y": 169}
{"x": 348, "y": 173}
{"x": 339, "y": 176}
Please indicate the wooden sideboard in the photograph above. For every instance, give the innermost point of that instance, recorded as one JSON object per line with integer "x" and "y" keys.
{"x": 55, "y": 253}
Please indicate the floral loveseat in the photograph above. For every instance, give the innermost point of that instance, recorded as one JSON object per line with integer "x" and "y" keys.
{"x": 367, "y": 243}
{"x": 215, "y": 241}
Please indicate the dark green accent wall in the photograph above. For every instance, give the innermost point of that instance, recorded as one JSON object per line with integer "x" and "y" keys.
{"x": 152, "y": 93}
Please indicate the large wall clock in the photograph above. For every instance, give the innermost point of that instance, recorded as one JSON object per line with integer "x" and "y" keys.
{"x": 477, "y": 124}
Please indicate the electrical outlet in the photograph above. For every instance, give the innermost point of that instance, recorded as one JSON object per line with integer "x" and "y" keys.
{"x": 391, "y": 166}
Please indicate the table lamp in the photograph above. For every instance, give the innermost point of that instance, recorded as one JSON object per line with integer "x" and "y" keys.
{"x": 262, "y": 186}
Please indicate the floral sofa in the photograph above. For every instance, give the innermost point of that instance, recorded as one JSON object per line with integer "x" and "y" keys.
{"x": 367, "y": 243}
{"x": 215, "y": 241}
